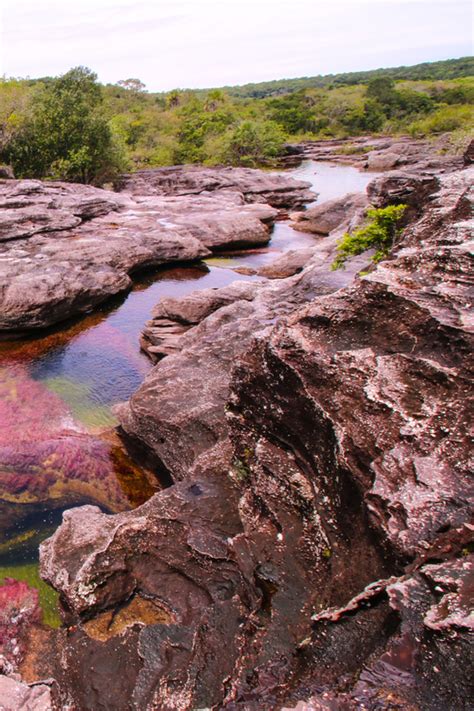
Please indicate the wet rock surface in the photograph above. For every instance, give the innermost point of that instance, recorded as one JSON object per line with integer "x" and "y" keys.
{"x": 315, "y": 550}
{"x": 66, "y": 248}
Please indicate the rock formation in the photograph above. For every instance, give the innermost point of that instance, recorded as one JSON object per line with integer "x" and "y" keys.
{"x": 66, "y": 248}
{"x": 255, "y": 185}
{"x": 314, "y": 550}
{"x": 385, "y": 153}
{"x": 314, "y": 547}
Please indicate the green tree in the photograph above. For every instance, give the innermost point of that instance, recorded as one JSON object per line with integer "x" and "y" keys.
{"x": 380, "y": 233}
{"x": 382, "y": 89}
{"x": 294, "y": 112}
{"x": 368, "y": 117}
{"x": 250, "y": 143}
{"x": 66, "y": 135}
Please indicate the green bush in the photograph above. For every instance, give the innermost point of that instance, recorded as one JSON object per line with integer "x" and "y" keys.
{"x": 380, "y": 233}
{"x": 250, "y": 143}
{"x": 444, "y": 120}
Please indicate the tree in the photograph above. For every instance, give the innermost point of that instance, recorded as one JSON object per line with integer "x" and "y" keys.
{"x": 66, "y": 136}
{"x": 250, "y": 143}
{"x": 134, "y": 85}
{"x": 368, "y": 117}
{"x": 294, "y": 112}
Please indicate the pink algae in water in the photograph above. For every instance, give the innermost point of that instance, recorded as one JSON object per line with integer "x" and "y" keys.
{"x": 44, "y": 456}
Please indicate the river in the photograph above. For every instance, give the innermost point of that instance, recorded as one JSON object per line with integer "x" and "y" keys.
{"x": 58, "y": 447}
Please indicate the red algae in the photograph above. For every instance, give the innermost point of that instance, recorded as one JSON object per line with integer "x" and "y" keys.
{"x": 45, "y": 456}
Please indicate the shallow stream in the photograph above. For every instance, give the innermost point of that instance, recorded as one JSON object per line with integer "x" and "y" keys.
{"x": 57, "y": 443}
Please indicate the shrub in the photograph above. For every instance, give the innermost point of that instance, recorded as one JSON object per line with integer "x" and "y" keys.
{"x": 250, "y": 143}
{"x": 380, "y": 233}
{"x": 444, "y": 120}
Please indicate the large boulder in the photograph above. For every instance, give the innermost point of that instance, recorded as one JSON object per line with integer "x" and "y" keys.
{"x": 316, "y": 543}
{"x": 401, "y": 187}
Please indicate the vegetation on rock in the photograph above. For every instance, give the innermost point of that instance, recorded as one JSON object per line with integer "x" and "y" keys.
{"x": 380, "y": 233}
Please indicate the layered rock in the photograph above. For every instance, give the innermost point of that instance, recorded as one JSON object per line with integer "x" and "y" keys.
{"x": 178, "y": 413}
{"x": 256, "y": 186}
{"x": 324, "y": 218}
{"x": 385, "y": 153}
{"x": 66, "y": 248}
{"x": 317, "y": 544}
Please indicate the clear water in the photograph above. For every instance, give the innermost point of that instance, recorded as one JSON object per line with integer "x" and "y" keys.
{"x": 57, "y": 444}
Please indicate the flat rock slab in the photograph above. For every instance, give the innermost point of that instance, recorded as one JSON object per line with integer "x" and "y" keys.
{"x": 256, "y": 185}
{"x": 65, "y": 248}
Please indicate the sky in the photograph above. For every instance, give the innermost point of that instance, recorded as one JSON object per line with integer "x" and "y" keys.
{"x": 202, "y": 43}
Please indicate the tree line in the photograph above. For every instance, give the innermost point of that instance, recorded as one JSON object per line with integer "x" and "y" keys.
{"x": 73, "y": 128}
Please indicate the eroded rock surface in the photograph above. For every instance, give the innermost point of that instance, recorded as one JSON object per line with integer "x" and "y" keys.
{"x": 315, "y": 552}
{"x": 257, "y": 186}
{"x": 17, "y": 696}
{"x": 328, "y": 216}
{"x": 385, "y": 153}
{"x": 66, "y": 248}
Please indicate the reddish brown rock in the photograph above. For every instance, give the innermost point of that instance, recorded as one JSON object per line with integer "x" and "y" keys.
{"x": 16, "y": 696}
{"x": 66, "y": 248}
{"x": 19, "y": 611}
{"x": 316, "y": 546}
{"x": 288, "y": 264}
{"x": 385, "y": 153}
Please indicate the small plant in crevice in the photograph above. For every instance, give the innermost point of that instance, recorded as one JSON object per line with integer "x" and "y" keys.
{"x": 381, "y": 233}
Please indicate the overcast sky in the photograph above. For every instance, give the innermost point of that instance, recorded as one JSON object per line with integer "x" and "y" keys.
{"x": 202, "y": 43}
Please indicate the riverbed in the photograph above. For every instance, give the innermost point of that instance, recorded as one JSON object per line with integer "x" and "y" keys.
{"x": 58, "y": 447}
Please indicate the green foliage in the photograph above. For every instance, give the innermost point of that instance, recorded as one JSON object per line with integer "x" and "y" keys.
{"x": 294, "y": 113}
{"x": 427, "y": 71}
{"x": 380, "y": 233}
{"x": 72, "y": 128}
{"x": 65, "y": 135}
{"x": 445, "y": 119}
{"x": 250, "y": 143}
{"x": 366, "y": 118}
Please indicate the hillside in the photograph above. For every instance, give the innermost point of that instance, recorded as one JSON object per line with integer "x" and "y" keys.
{"x": 445, "y": 69}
